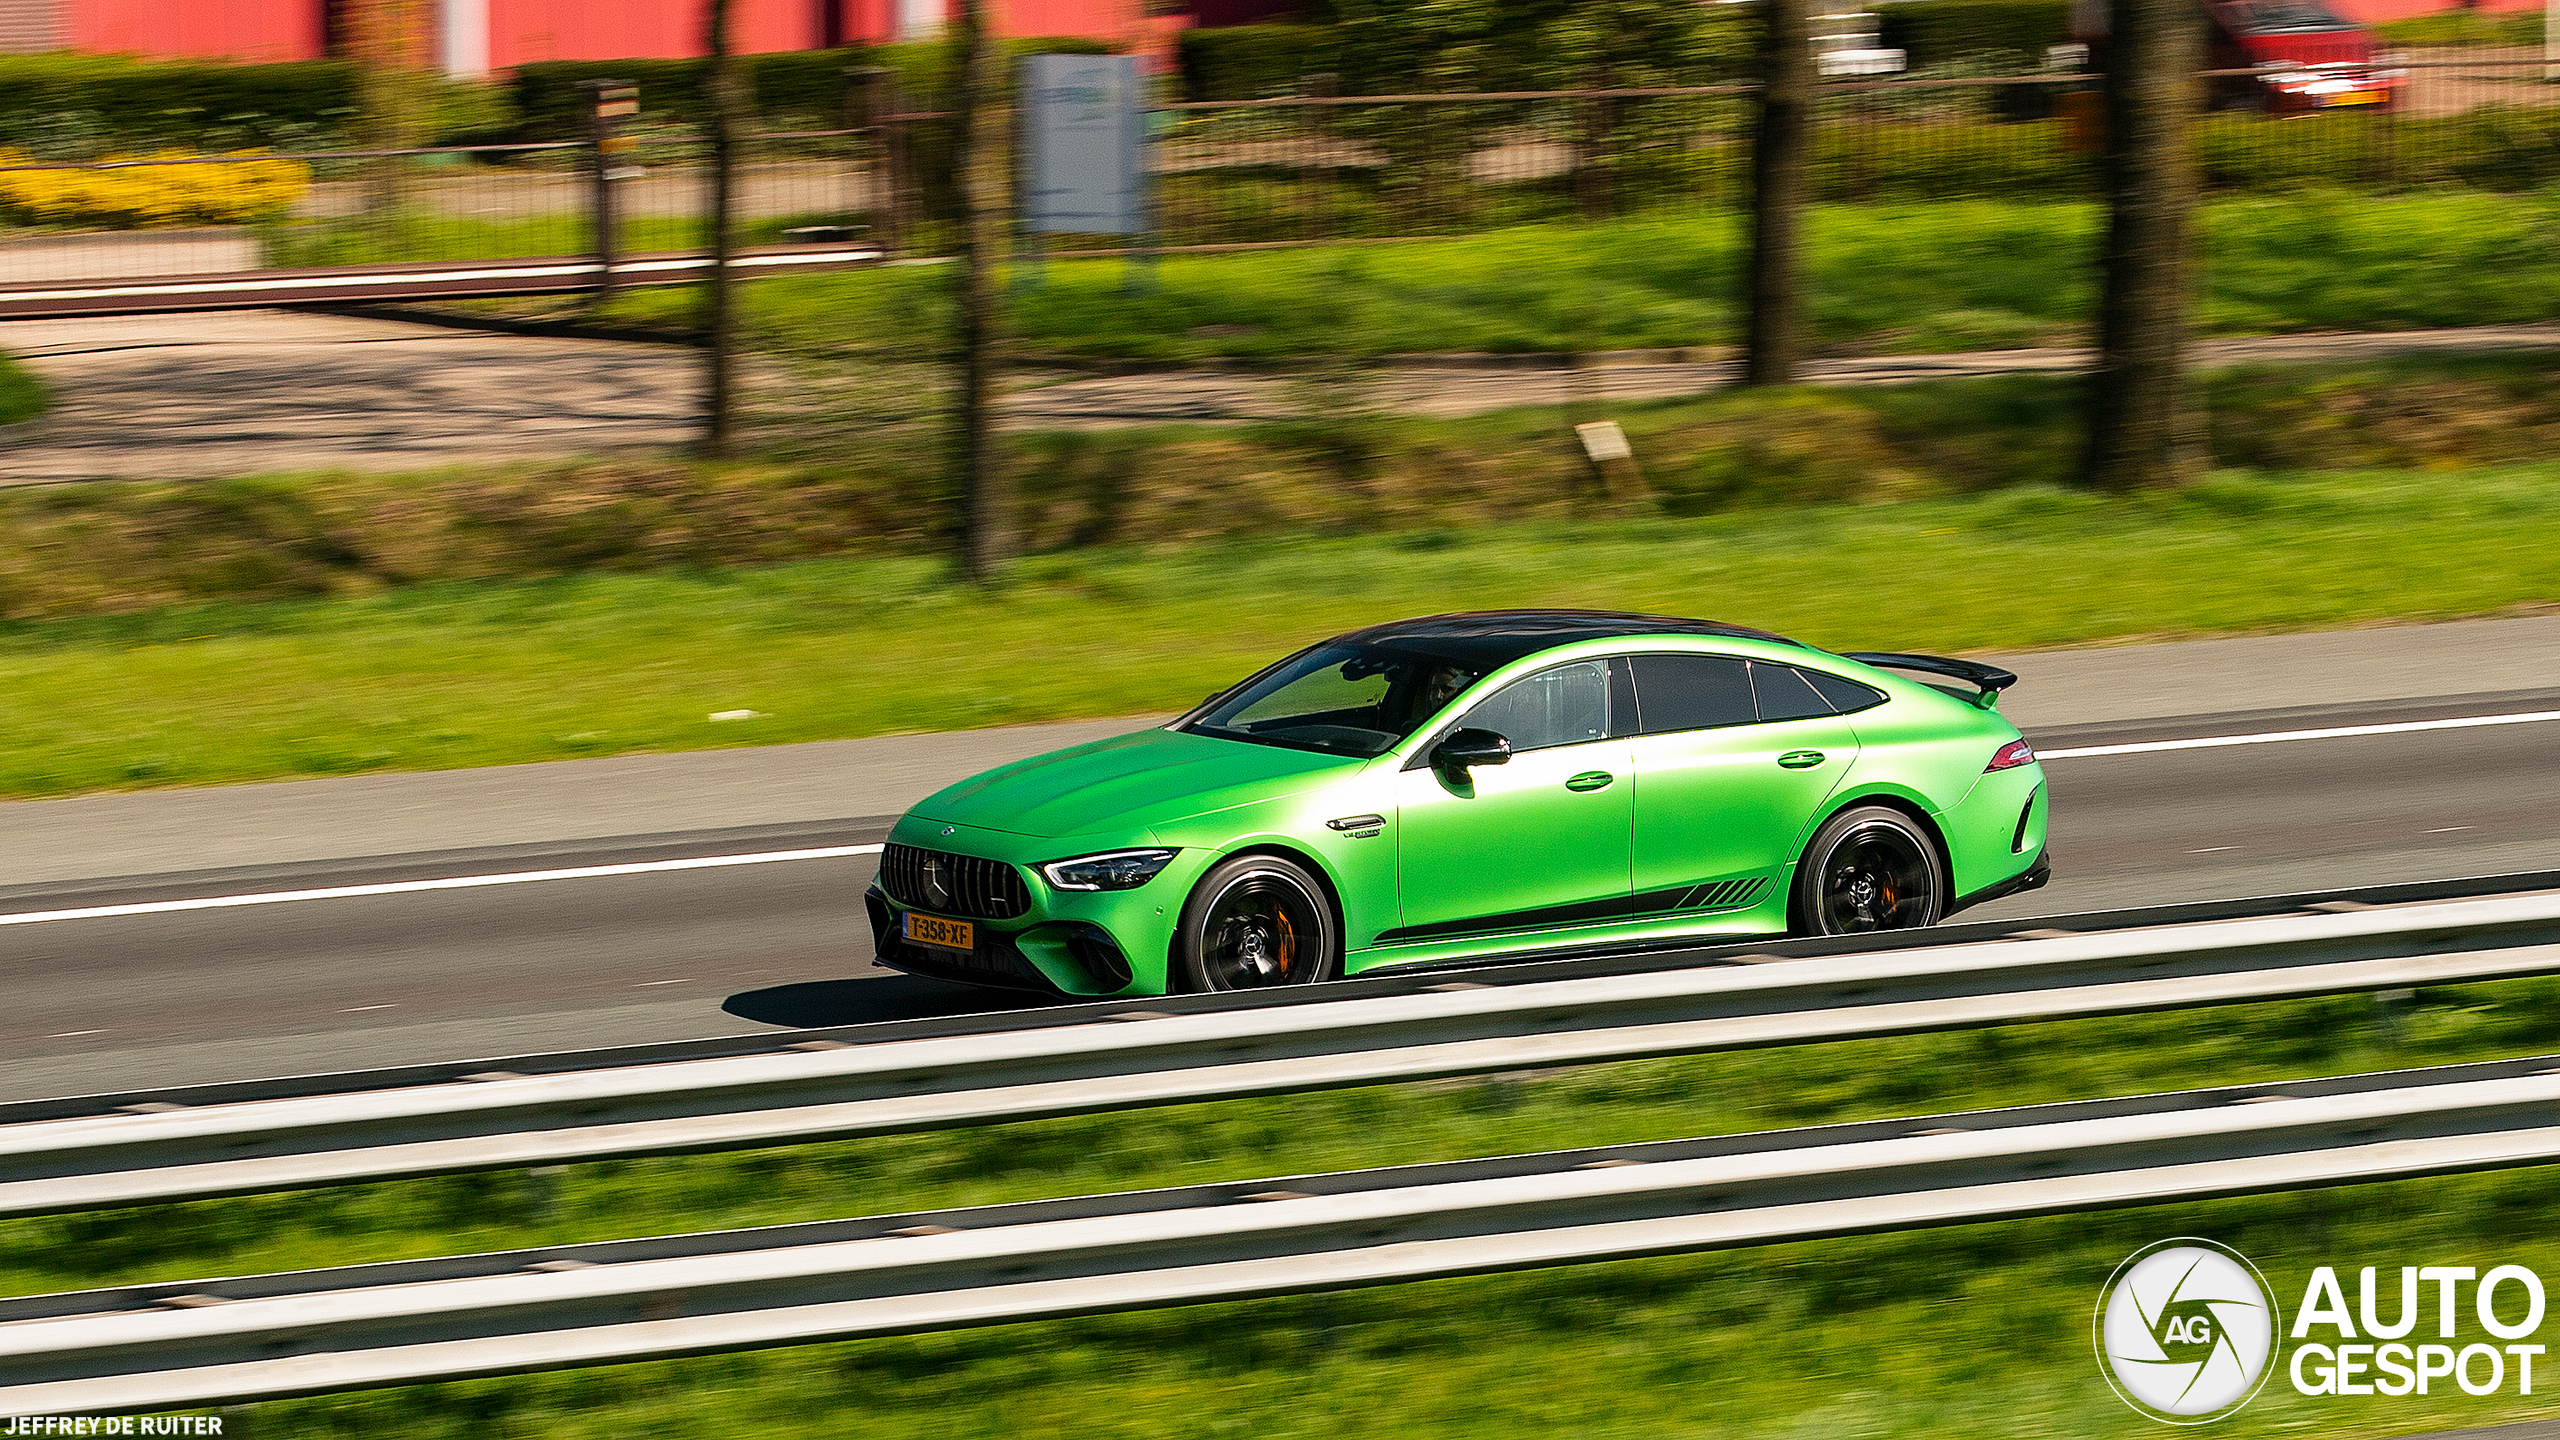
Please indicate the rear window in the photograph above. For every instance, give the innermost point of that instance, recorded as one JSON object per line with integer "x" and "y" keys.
{"x": 1786, "y": 693}
{"x": 1845, "y": 695}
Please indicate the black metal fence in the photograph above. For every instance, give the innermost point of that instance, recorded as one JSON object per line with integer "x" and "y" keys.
{"x": 1294, "y": 170}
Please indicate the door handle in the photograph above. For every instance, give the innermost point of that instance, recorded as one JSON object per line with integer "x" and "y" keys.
{"x": 1590, "y": 780}
{"x": 1801, "y": 759}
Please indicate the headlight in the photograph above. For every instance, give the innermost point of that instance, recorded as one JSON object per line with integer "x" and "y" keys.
{"x": 1117, "y": 870}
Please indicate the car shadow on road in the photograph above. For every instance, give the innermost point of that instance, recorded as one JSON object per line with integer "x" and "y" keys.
{"x": 869, "y": 999}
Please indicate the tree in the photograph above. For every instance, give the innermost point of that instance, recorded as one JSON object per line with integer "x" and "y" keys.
{"x": 2142, "y": 425}
{"x": 986, "y": 491}
{"x": 726, "y": 92}
{"x": 1773, "y": 336}
{"x": 387, "y": 41}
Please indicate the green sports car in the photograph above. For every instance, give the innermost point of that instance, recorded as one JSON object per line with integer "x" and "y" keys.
{"x": 1459, "y": 786}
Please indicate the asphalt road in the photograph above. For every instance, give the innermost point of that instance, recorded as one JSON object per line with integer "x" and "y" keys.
{"x": 135, "y": 1001}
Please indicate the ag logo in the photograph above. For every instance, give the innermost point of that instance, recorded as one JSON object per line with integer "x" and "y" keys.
{"x": 2185, "y": 1331}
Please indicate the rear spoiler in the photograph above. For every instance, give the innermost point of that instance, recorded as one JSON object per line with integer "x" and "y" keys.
{"x": 1990, "y": 680}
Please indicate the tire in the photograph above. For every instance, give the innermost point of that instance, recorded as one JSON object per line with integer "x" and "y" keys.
{"x": 1256, "y": 922}
{"x": 1868, "y": 868}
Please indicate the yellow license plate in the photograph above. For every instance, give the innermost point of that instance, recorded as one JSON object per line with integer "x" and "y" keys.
{"x": 2357, "y": 97}
{"x": 948, "y": 934}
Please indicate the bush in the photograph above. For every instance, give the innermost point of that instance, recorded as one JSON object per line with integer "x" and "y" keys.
{"x": 1254, "y": 62}
{"x": 799, "y": 84}
{"x": 22, "y": 395}
{"x": 1939, "y": 32}
{"x": 195, "y": 104}
{"x": 149, "y": 196}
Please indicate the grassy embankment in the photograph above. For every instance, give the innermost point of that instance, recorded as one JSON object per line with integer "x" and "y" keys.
{"x": 486, "y": 672}
{"x": 1899, "y": 278}
{"x": 1981, "y": 1331}
{"x": 22, "y": 395}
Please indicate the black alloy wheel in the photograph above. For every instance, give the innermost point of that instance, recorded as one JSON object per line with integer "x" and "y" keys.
{"x": 1256, "y": 922}
{"x": 1868, "y": 869}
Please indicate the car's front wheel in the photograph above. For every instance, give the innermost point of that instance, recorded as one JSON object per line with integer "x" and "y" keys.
{"x": 1255, "y": 922}
{"x": 1868, "y": 868}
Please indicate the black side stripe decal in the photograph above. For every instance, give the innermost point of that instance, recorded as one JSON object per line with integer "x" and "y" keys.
{"x": 1713, "y": 895}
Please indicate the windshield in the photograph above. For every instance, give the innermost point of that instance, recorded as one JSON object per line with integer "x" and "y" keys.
{"x": 1341, "y": 699}
{"x": 2279, "y": 17}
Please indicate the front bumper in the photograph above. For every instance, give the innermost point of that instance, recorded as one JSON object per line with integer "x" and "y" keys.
{"x": 996, "y": 960}
{"x": 1088, "y": 944}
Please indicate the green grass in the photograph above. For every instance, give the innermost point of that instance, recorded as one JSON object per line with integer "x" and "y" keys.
{"x": 463, "y": 674}
{"x": 1976, "y": 1331}
{"x": 1957, "y": 275}
{"x": 2466, "y": 28}
{"x": 22, "y": 395}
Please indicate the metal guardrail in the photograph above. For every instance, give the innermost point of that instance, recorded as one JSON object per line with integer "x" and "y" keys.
{"x": 149, "y": 1347}
{"x": 1119, "y": 1059}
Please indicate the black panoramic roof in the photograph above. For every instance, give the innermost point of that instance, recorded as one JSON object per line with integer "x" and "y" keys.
{"x": 1485, "y": 639}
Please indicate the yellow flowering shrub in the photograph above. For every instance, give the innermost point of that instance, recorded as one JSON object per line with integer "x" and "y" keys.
{"x": 141, "y": 197}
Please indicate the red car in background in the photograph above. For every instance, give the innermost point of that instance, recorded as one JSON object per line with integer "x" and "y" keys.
{"x": 2298, "y": 56}
{"x": 2304, "y": 56}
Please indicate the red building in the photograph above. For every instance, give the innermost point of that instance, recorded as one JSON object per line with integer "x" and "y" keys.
{"x": 475, "y": 37}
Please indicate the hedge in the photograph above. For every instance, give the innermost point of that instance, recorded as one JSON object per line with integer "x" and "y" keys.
{"x": 191, "y": 104}
{"x": 806, "y": 84}
{"x": 1940, "y": 32}
{"x": 1255, "y": 62}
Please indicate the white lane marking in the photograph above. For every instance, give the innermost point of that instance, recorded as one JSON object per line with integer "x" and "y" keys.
{"x": 360, "y": 1009}
{"x": 2449, "y": 829}
{"x": 72, "y": 1034}
{"x": 412, "y": 887}
{"x": 2213, "y": 849}
{"x": 2339, "y": 732}
{"x": 652, "y": 984}
{"x": 591, "y": 872}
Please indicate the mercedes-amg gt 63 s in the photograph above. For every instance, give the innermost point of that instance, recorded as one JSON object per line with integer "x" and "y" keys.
{"x": 1465, "y": 785}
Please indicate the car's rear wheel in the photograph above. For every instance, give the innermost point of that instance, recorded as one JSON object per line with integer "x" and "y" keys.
{"x": 1256, "y": 922}
{"x": 1868, "y": 868}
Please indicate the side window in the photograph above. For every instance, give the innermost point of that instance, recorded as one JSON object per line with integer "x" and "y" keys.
{"x": 1563, "y": 706}
{"x": 1786, "y": 693}
{"x": 1691, "y": 692}
{"x": 1846, "y": 696}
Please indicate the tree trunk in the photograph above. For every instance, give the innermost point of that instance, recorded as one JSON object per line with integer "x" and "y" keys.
{"x": 728, "y": 102}
{"x": 986, "y": 492}
{"x": 386, "y": 40}
{"x": 2143, "y": 428}
{"x": 1773, "y": 341}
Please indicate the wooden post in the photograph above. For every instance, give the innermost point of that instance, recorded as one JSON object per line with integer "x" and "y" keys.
{"x": 609, "y": 104}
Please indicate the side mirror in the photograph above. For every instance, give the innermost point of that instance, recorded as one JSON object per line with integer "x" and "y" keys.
{"x": 1466, "y": 747}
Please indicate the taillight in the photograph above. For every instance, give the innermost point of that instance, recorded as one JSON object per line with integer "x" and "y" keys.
{"x": 2011, "y": 756}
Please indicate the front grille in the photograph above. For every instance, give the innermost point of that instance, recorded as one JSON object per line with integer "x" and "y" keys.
{"x": 971, "y": 887}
